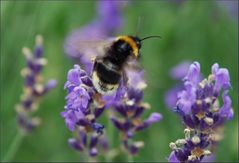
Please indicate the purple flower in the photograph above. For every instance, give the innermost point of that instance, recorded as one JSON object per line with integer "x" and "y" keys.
{"x": 226, "y": 109}
{"x": 210, "y": 158}
{"x": 177, "y": 73}
{"x": 171, "y": 96}
{"x": 82, "y": 109}
{"x": 128, "y": 107}
{"x": 180, "y": 70}
{"x": 198, "y": 106}
{"x": 84, "y": 105}
{"x": 193, "y": 75}
{"x": 109, "y": 14}
{"x": 221, "y": 76}
{"x": 33, "y": 87}
{"x": 80, "y": 96}
{"x": 173, "y": 158}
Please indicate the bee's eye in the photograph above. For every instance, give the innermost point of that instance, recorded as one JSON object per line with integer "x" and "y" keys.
{"x": 139, "y": 45}
{"x": 123, "y": 48}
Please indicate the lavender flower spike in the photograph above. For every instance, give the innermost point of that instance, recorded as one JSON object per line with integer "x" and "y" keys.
{"x": 128, "y": 103}
{"x": 82, "y": 109}
{"x": 34, "y": 88}
{"x": 83, "y": 104}
{"x": 198, "y": 106}
{"x": 176, "y": 73}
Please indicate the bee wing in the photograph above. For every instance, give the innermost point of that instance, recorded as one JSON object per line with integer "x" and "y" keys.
{"x": 133, "y": 65}
{"x": 89, "y": 48}
{"x": 131, "y": 68}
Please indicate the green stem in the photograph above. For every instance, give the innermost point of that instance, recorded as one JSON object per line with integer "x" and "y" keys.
{"x": 13, "y": 147}
{"x": 111, "y": 136}
{"x": 130, "y": 158}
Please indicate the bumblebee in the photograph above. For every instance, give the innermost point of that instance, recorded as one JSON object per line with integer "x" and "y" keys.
{"x": 110, "y": 59}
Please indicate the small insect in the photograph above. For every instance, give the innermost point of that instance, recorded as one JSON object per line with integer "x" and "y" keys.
{"x": 111, "y": 58}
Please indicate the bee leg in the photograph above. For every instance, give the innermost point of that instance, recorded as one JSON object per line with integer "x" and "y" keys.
{"x": 98, "y": 100}
{"x": 93, "y": 59}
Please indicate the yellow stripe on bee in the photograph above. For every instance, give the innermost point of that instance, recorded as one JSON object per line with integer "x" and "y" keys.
{"x": 131, "y": 42}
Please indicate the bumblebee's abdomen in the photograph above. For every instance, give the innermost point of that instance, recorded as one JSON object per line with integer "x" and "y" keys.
{"x": 105, "y": 77}
{"x": 107, "y": 73}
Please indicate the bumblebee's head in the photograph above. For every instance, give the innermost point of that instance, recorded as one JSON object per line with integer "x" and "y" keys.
{"x": 129, "y": 45}
{"x": 138, "y": 45}
{"x": 137, "y": 41}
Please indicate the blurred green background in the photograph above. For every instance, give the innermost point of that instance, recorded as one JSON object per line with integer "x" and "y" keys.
{"x": 191, "y": 30}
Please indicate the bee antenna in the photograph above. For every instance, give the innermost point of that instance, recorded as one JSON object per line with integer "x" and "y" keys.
{"x": 138, "y": 25}
{"x": 150, "y": 37}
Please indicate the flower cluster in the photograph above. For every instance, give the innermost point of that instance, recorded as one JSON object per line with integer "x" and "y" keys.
{"x": 198, "y": 106}
{"x": 34, "y": 88}
{"x": 176, "y": 73}
{"x": 83, "y": 107}
{"x": 128, "y": 107}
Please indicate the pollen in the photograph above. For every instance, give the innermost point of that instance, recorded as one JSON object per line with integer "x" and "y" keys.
{"x": 42, "y": 61}
{"x": 198, "y": 152}
{"x": 172, "y": 146}
{"x": 27, "y": 52}
{"x": 208, "y": 120}
{"x": 187, "y": 133}
{"x": 196, "y": 139}
{"x": 136, "y": 122}
{"x": 98, "y": 100}
{"x": 203, "y": 83}
{"x": 207, "y": 152}
{"x": 145, "y": 105}
{"x": 130, "y": 102}
{"x": 25, "y": 72}
{"x": 199, "y": 102}
{"x": 39, "y": 40}
{"x": 200, "y": 115}
{"x": 208, "y": 100}
{"x": 90, "y": 117}
{"x": 130, "y": 113}
{"x": 39, "y": 88}
{"x": 181, "y": 141}
{"x": 139, "y": 144}
{"x": 192, "y": 157}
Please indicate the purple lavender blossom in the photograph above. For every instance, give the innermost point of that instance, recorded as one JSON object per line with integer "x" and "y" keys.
{"x": 170, "y": 97}
{"x": 84, "y": 104}
{"x": 176, "y": 73}
{"x": 198, "y": 106}
{"x": 82, "y": 108}
{"x": 34, "y": 88}
{"x": 180, "y": 70}
{"x": 83, "y": 101}
{"x": 108, "y": 22}
{"x": 128, "y": 107}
